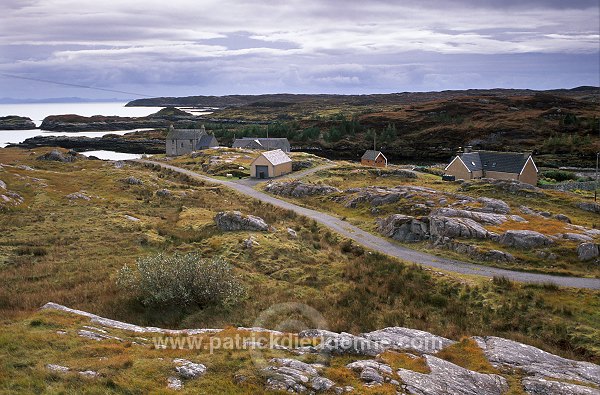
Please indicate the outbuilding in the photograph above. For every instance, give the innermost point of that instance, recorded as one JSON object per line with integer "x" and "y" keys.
{"x": 373, "y": 158}
{"x": 271, "y": 164}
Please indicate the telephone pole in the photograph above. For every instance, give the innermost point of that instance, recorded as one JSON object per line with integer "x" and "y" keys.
{"x": 374, "y": 141}
{"x": 596, "y": 189}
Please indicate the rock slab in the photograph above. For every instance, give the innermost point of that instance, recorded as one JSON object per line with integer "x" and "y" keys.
{"x": 450, "y": 379}
{"x": 235, "y": 220}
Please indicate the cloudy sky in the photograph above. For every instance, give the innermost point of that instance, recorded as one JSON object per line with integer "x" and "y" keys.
{"x": 187, "y": 47}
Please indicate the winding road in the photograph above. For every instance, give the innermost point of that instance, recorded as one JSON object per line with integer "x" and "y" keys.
{"x": 385, "y": 246}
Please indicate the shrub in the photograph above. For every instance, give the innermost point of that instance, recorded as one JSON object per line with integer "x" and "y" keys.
{"x": 29, "y": 250}
{"x": 186, "y": 279}
{"x": 502, "y": 282}
{"x": 559, "y": 175}
{"x": 436, "y": 171}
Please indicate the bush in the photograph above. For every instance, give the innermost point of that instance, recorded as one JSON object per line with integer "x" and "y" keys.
{"x": 559, "y": 175}
{"x": 185, "y": 279}
{"x": 29, "y": 250}
{"x": 502, "y": 282}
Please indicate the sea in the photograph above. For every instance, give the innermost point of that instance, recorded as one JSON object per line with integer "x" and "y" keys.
{"x": 38, "y": 111}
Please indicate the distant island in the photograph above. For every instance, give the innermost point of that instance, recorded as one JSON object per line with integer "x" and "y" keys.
{"x": 284, "y": 99}
{"x": 11, "y": 100}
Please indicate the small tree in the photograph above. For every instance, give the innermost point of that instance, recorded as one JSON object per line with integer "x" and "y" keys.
{"x": 181, "y": 279}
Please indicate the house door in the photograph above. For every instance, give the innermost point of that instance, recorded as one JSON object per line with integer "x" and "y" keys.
{"x": 262, "y": 171}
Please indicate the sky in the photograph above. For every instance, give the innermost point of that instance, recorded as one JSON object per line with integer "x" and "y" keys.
{"x": 220, "y": 47}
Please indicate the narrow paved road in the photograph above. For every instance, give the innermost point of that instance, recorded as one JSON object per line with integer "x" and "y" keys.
{"x": 385, "y": 246}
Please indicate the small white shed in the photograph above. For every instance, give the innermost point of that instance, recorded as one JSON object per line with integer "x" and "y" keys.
{"x": 271, "y": 164}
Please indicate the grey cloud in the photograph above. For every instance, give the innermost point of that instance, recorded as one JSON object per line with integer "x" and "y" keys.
{"x": 223, "y": 46}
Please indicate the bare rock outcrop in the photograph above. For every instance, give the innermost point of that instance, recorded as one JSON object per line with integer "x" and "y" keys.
{"x": 542, "y": 373}
{"x": 299, "y": 189}
{"x": 57, "y": 156}
{"x": 504, "y": 352}
{"x": 346, "y": 343}
{"x": 481, "y": 217}
{"x": 576, "y": 237}
{"x": 563, "y": 218}
{"x": 372, "y": 372}
{"x": 235, "y": 220}
{"x": 163, "y": 193}
{"x": 188, "y": 369}
{"x": 588, "y": 251}
{"x": 404, "y": 228}
{"x": 442, "y": 232}
{"x": 405, "y": 339}
{"x": 81, "y": 195}
{"x": 131, "y": 180}
{"x": 448, "y": 378}
{"x": 290, "y": 375}
{"x": 440, "y": 227}
{"x": 590, "y": 206}
{"x": 10, "y": 198}
{"x": 541, "y": 386}
{"x": 491, "y": 205}
{"x": 524, "y": 239}
{"x": 378, "y": 196}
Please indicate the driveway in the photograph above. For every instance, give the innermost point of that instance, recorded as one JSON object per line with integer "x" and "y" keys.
{"x": 387, "y": 247}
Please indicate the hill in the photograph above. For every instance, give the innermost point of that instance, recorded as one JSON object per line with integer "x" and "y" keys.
{"x": 357, "y": 100}
{"x": 561, "y": 126}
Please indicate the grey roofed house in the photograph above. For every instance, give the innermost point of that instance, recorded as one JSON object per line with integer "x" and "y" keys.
{"x": 271, "y": 143}
{"x": 493, "y": 164}
{"x": 506, "y": 162}
{"x": 371, "y": 154}
{"x": 185, "y": 141}
{"x": 373, "y": 158}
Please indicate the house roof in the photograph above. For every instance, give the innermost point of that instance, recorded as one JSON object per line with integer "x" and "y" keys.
{"x": 472, "y": 160}
{"x": 262, "y": 143}
{"x": 208, "y": 140}
{"x": 504, "y": 162}
{"x": 276, "y": 157}
{"x": 371, "y": 154}
{"x": 186, "y": 134}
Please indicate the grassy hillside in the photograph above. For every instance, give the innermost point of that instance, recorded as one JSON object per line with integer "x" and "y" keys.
{"x": 69, "y": 250}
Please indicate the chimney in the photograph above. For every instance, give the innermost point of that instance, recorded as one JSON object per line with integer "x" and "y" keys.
{"x": 459, "y": 151}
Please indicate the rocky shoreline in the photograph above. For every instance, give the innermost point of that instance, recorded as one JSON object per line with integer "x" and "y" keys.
{"x": 75, "y": 123}
{"x": 108, "y": 143}
{"x": 14, "y": 122}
